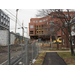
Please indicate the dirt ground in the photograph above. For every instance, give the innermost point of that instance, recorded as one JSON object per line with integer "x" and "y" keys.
{"x": 69, "y": 61}
{"x": 15, "y": 50}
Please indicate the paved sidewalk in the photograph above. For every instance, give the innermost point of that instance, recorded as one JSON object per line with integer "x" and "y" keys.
{"x": 52, "y": 58}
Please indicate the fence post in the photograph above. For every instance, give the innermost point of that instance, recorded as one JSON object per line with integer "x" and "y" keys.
{"x": 26, "y": 53}
{"x": 37, "y": 47}
{"x": 9, "y": 47}
{"x": 22, "y": 49}
{"x": 32, "y": 50}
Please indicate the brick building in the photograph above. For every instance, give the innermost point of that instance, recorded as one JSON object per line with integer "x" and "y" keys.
{"x": 41, "y": 28}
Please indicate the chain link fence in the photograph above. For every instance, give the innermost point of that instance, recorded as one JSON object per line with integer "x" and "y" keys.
{"x": 47, "y": 45}
{"x": 18, "y": 50}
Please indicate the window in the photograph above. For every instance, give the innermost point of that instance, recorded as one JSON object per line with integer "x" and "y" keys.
{"x": 37, "y": 27}
{"x": 4, "y": 16}
{"x": 40, "y": 21}
{"x": 47, "y": 23}
{"x": 74, "y": 15}
{"x": 66, "y": 16}
{"x": 1, "y": 14}
{"x": 42, "y": 32}
{"x": 73, "y": 27}
{"x": 73, "y": 41}
{"x": 52, "y": 16}
{"x": 51, "y": 29}
{"x": 71, "y": 16}
{"x": 44, "y": 20}
{"x": 63, "y": 42}
{"x": 59, "y": 15}
{"x": 51, "y": 22}
{"x": 36, "y": 21}
{"x": 33, "y": 21}
{"x": 4, "y": 21}
{"x": 31, "y": 32}
{"x": 39, "y": 32}
{"x": 1, "y": 20}
{"x": 31, "y": 26}
{"x": 42, "y": 26}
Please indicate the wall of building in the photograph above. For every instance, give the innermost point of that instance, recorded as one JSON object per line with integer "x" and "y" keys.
{"x": 44, "y": 23}
{"x": 4, "y": 38}
{"x": 12, "y": 39}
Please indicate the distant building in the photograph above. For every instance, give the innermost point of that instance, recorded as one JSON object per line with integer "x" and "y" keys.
{"x": 40, "y": 28}
{"x": 4, "y": 21}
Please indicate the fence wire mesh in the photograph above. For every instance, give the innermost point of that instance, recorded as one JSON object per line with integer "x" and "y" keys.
{"x": 23, "y": 51}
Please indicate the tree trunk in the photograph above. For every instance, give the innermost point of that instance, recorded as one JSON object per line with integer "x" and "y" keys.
{"x": 72, "y": 52}
{"x": 57, "y": 45}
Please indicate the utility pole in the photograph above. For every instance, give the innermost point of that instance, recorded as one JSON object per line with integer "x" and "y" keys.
{"x": 22, "y": 29}
{"x": 16, "y": 20}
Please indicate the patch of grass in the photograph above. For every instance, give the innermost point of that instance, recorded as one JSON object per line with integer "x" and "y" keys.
{"x": 55, "y": 49}
{"x": 40, "y": 59}
{"x": 70, "y": 60}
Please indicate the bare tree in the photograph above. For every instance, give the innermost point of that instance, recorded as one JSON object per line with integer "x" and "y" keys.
{"x": 66, "y": 21}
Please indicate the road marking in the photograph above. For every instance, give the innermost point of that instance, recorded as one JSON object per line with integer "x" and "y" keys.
{"x": 5, "y": 61}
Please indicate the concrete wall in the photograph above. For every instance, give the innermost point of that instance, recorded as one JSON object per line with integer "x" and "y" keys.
{"x": 12, "y": 38}
{"x": 4, "y": 38}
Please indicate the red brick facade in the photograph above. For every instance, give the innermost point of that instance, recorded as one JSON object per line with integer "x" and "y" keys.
{"x": 45, "y": 22}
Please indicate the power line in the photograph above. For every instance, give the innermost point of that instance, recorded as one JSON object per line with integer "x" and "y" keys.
{"x": 12, "y": 15}
{"x": 12, "y": 18}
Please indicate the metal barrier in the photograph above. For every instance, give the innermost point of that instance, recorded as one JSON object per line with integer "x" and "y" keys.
{"x": 26, "y": 53}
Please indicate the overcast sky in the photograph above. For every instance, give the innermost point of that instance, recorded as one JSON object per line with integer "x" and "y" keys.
{"x": 23, "y": 15}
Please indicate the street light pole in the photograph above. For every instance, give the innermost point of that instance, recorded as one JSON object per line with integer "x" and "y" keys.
{"x": 16, "y": 20}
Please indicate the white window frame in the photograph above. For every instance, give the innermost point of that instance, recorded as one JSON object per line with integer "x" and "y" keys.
{"x": 1, "y": 14}
{"x": 51, "y": 22}
{"x": 31, "y": 26}
{"x": 72, "y": 27}
{"x": 1, "y": 20}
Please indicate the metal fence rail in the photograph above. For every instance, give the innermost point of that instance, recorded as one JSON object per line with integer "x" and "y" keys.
{"x": 26, "y": 52}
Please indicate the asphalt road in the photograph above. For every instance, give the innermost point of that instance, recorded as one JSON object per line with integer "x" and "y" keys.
{"x": 52, "y": 58}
